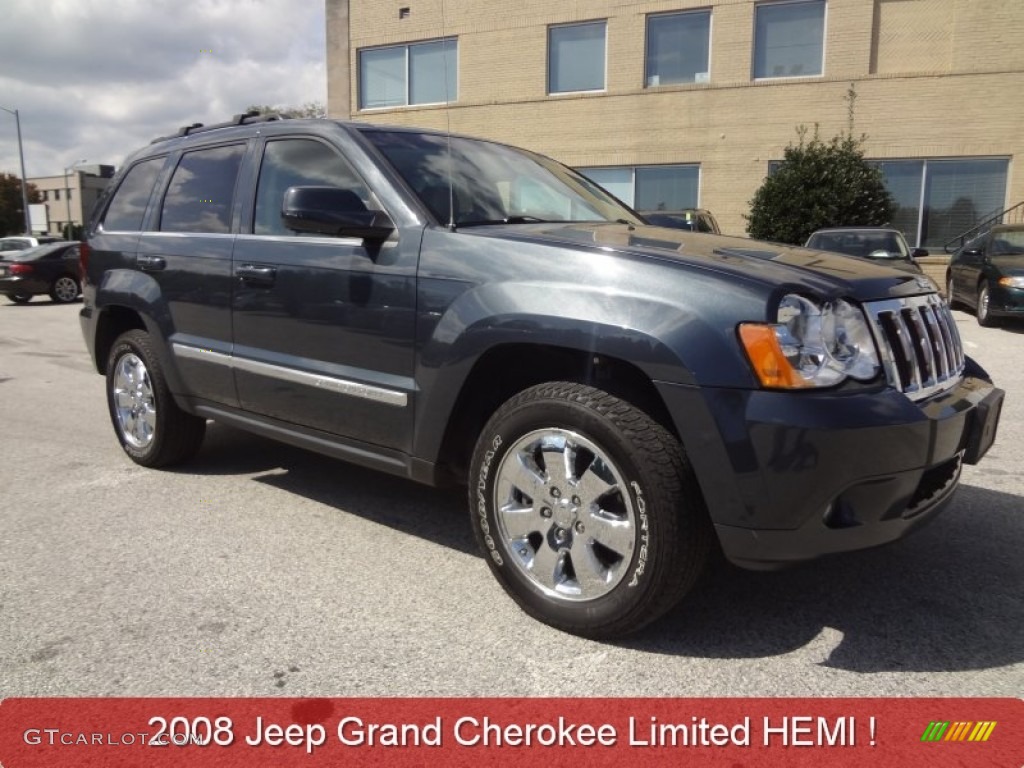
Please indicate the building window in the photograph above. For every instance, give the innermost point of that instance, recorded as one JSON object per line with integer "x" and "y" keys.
{"x": 789, "y": 39}
{"x": 650, "y": 187}
{"x": 939, "y": 200}
{"x": 56, "y": 194}
{"x": 408, "y": 75}
{"x": 576, "y": 57}
{"x": 678, "y": 46}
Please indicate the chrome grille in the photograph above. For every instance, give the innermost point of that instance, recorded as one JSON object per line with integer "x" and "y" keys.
{"x": 918, "y": 343}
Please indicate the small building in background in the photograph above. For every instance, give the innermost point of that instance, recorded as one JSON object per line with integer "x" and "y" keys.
{"x": 72, "y": 197}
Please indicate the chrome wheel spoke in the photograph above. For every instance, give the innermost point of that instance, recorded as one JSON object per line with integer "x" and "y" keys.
{"x": 593, "y": 486}
{"x": 611, "y": 533}
{"x": 548, "y": 566}
{"x": 520, "y": 521}
{"x": 591, "y": 573}
{"x": 557, "y": 458}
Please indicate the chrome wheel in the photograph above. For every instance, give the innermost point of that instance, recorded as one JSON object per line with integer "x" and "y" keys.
{"x": 65, "y": 289}
{"x": 983, "y": 311}
{"x": 134, "y": 404}
{"x": 564, "y": 514}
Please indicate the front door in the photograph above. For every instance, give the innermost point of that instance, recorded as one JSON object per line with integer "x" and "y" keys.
{"x": 323, "y": 326}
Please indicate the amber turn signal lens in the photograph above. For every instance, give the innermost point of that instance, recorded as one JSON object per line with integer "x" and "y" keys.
{"x": 766, "y": 356}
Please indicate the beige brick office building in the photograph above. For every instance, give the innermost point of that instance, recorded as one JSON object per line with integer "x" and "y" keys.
{"x": 679, "y": 103}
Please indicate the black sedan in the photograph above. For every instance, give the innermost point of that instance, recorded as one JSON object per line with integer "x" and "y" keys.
{"x": 988, "y": 274}
{"x": 46, "y": 269}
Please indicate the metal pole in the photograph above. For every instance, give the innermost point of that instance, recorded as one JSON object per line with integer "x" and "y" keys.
{"x": 21, "y": 157}
{"x": 69, "y": 227}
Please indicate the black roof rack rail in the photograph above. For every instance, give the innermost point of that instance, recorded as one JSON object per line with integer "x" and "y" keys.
{"x": 244, "y": 118}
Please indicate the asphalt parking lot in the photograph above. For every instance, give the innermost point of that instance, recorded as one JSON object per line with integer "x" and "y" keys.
{"x": 259, "y": 569}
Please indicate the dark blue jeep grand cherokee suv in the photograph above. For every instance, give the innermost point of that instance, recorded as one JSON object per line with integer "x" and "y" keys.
{"x": 618, "y": 398}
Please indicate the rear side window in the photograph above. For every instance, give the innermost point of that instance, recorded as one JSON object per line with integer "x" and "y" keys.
{"x": 202, "y": 191}
{"x": 126, "y": 209}
{"x": 296, "y": 163}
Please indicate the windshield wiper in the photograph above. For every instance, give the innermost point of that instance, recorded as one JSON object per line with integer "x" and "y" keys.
{"x": 507, "y": 220}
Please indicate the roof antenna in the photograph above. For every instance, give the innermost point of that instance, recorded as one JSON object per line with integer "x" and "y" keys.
{"x": 448, "y": 123}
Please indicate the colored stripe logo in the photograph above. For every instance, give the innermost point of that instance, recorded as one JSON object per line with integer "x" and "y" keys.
{"x": 939, "y": 730}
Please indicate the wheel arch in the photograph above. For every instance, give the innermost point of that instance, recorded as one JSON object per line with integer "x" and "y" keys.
{"x": 506, "y": 369}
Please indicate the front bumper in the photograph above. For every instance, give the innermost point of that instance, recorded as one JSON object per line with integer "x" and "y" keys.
{"x": 790, "y": 476}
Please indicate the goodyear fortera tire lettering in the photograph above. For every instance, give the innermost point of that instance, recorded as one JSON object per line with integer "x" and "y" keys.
{"x": 586, "y": 510}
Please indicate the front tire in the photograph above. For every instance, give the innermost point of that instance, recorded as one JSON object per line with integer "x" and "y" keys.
{"x": 150, "y": 426}
{"x": 19, "y": 298}
{"x": 587, "y": 510}
{"x": 984, "y": 313}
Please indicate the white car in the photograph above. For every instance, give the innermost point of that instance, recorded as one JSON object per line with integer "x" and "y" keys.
{"x": 22, "y": 242}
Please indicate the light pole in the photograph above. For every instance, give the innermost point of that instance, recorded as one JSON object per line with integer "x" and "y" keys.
{"x": 21, "y": 156}
{"x": 68, "y": 230}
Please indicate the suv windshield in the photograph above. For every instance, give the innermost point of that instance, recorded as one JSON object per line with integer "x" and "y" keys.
{"x": 492, "y": 183}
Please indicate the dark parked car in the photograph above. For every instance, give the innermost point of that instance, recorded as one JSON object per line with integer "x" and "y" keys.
{"x": 619, "y": 399}
{"x": 46, "y": 269}
{"x": 874, "y": 243}
{"x": 693, "y": 219}
{"x": 988, "y": 274}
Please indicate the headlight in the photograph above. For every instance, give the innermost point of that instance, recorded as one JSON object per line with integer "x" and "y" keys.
{"x": 811, "y": 345}
{"x": 1011, "y": 282}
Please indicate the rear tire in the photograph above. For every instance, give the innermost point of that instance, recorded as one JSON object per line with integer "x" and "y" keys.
{"x": 150, "y": 426}
{"x": 587, "y": 510}
{"x": 953, "y": 303}
{"x": 64, "y": 290}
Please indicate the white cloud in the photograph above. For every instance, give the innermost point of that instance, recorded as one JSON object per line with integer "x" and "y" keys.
{"x": 99, "y": 78}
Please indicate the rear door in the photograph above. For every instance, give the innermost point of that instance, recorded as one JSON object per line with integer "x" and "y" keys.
{"x": 187, "y": 253}
{"x": 323, "y": 326}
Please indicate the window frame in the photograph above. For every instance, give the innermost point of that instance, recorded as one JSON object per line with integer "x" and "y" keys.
{"x": 165, "y": 186}
{"x": 157, "y": 187}
{"x": 604, "y": 68}
{"x": 248, "y": 224}
{"x": 709, "y": 12}
{"x": 453, "y": 98}
{"x": 763, "y": 4}
{"x": 633, "y": 179}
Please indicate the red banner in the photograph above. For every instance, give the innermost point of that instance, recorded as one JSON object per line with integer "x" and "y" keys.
{"x": 477, "y": 732}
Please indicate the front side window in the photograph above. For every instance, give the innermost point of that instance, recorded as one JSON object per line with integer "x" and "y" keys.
{"x": 576, "y": 57}
{"x": 202, "y": 191}
{"x": 678, "y": 46}
{"x": 651, "y": 187}
{"x": 128, "y": 206}
{"x": 295, "y": 163}
{"x": 469, "y": 182}
{"x": 789, "y": 39}
{"x": 407, "y": 75}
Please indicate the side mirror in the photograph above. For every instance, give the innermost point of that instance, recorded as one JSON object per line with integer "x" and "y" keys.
{"x": 917, "y": 253}
{"x": 333, "y": 211}
{"x": 971, "y": 255}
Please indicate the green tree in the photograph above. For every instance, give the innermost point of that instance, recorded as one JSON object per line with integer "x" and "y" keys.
{"x": 819, "y": 184}
{"x": 12, "y": 217}
{"x": 309, "y": 109}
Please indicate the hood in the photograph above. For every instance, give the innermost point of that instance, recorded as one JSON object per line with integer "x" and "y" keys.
{"x": 772, "y": 264}
{"x": 1009, "y": 265}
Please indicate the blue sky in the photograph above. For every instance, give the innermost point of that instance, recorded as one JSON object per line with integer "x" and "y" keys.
{"x": 96, "y": 79}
